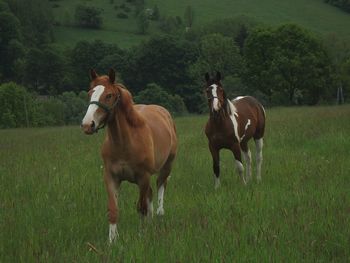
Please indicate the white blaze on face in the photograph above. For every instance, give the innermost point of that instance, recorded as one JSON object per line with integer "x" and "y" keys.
{"x": 91, "y": 111}
{"x": 215, "y": 95}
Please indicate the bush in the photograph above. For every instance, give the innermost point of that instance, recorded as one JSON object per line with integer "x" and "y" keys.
{"x": 88, "y": 16}
{"x": 122, "y": 15}
{"x": 154, "y": 94}
{"x": 15, "y": 106}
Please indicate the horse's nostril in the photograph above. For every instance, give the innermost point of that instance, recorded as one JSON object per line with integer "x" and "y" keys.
{"x": 92, "y": 124}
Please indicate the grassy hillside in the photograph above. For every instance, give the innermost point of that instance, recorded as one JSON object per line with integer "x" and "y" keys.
{"x": 312, "y": 14}
{"x": 53, "y": 202}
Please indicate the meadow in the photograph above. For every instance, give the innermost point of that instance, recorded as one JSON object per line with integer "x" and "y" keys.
{"x": 314, "y": 15}
{"x": 53, "y": 203}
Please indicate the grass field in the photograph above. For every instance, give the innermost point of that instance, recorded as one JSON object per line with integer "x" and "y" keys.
{"x": 53, "y": 202}
{"x": 312, "y": 14}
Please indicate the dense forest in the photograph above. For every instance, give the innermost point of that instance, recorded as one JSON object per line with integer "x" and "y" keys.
{"x": 343, "y": 4}
{"x": 42, "y": 83}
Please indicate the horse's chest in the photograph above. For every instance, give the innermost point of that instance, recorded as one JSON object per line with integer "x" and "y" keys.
{"x": 123, "y": 171}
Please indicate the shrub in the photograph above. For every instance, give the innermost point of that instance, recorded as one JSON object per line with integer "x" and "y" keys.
{"x": 122, "y": 15}
{"x": 154, "y": 94}
{"x": 88, "y": 16}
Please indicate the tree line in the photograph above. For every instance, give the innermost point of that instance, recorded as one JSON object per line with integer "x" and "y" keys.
{"x": 284, "y": 65}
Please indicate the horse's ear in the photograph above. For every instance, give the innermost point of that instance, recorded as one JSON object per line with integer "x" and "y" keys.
{"x": 93, "y": 74}
{"x": 111, "y": 75}
{"x": 207, "y": 77}
{"x": 218, "y": 76}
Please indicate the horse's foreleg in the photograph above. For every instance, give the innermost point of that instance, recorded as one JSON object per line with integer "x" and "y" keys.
{"x": 259, "y": 157}
{"x": 111, "y": 187}
{"x": 236, "y": 149}
{"x": 216, "y": 164}
{"x": 145, "y": 205}
{"x": 248, "y": 160}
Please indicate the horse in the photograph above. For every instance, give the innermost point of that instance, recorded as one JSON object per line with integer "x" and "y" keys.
{"x": 231, "y": 125}
{"x": 140, "y": 140}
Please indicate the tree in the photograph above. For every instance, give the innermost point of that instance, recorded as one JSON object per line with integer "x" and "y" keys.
{"x": 154, "y": 94}
{"x": 142, "y": 22}
{"x": 217, "y": 53}
{"x": 44, "y": 70}
{"x": 288, "y": 61}
{"x": 15, "y": 106}
{"x": 189, "y": 16}
{"x": 163, "y": 60}
{"x": 88, "y": 16}
{"x": 11, "y": 48}
{"x": 155, "y": 14}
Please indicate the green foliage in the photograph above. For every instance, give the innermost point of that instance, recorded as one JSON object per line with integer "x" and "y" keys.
{"x": 18, "y": 108}
{"x": 154, "y": 94}
{"x": 290, "y": 61}
{"x": 343, "y": 4}
{"x": 189, "y": 16}
{"x": 217, "y": 53}
{"x": 15, "y": 103}
{"x": 163, "y": 60}
{"x": 44, "y": 70}
{"x": 122, "y": 15}
{"x": 170, "y": 24}
{"x": 87, "y": 55}
{"x": 155, "y": 13}
{"x": 88, "y": 16}
{"x": 142, "y": 22}
{"x": 36, "y": 20}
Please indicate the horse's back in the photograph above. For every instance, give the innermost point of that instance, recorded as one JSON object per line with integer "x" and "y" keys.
{"x": 250, "y": 108}
{"x": 162, "y": 126}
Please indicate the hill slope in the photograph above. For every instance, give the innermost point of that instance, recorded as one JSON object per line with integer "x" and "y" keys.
{"x": 312, "y": 14}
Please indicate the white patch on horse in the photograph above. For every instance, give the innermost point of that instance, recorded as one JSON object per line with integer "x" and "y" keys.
{"x": 246, "y": 128}
{"x": 90, "y": 114}
{"x": 113, "y": 232}
{"x": 160, "y": 210}
{"x": 215, "y": 96}
{"x": 239, "y": 97}
{"x": 233, "y": 117}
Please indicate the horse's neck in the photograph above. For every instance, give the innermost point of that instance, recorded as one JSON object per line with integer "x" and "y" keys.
{"x": 223, "y": 115}
{"x": 122, "y": 125}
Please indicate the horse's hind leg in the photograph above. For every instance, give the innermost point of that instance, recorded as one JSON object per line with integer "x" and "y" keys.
{"x": 259, "y": 157}
{"x": 162, "y": 183}
{"x": 248, "y": 159}
{"x": 145, "y": 206}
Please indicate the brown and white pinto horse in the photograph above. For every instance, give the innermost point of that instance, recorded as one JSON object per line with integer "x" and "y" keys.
{"x": 231, "y": 125}
{"x": 140, "y": 141}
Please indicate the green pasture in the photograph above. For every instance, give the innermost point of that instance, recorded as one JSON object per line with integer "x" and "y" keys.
{"x": 53, "y": 203}
{"x": 315, "y": 15}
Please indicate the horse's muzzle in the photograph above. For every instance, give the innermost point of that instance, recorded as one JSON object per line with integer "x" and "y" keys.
{"x": 89, "y": 128}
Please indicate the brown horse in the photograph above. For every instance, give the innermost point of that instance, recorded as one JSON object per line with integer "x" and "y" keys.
{"x": 231, "y": 125}
{"x": 140, "y": 141}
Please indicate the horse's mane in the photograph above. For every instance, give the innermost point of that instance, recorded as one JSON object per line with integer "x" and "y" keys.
{"x": 127, "y": 105}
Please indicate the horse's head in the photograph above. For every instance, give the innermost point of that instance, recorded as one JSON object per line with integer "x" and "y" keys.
{"x": 215, "y": 93}
{"x": 104, "y": 97}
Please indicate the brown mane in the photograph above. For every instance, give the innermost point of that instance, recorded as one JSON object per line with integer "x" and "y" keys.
{"x": 127, "y": 105}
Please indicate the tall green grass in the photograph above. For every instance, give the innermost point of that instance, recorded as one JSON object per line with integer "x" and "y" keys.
{"x": 53, "y": 201}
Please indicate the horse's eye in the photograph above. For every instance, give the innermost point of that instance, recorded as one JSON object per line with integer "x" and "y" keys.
{"x": 109, "y": 96}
